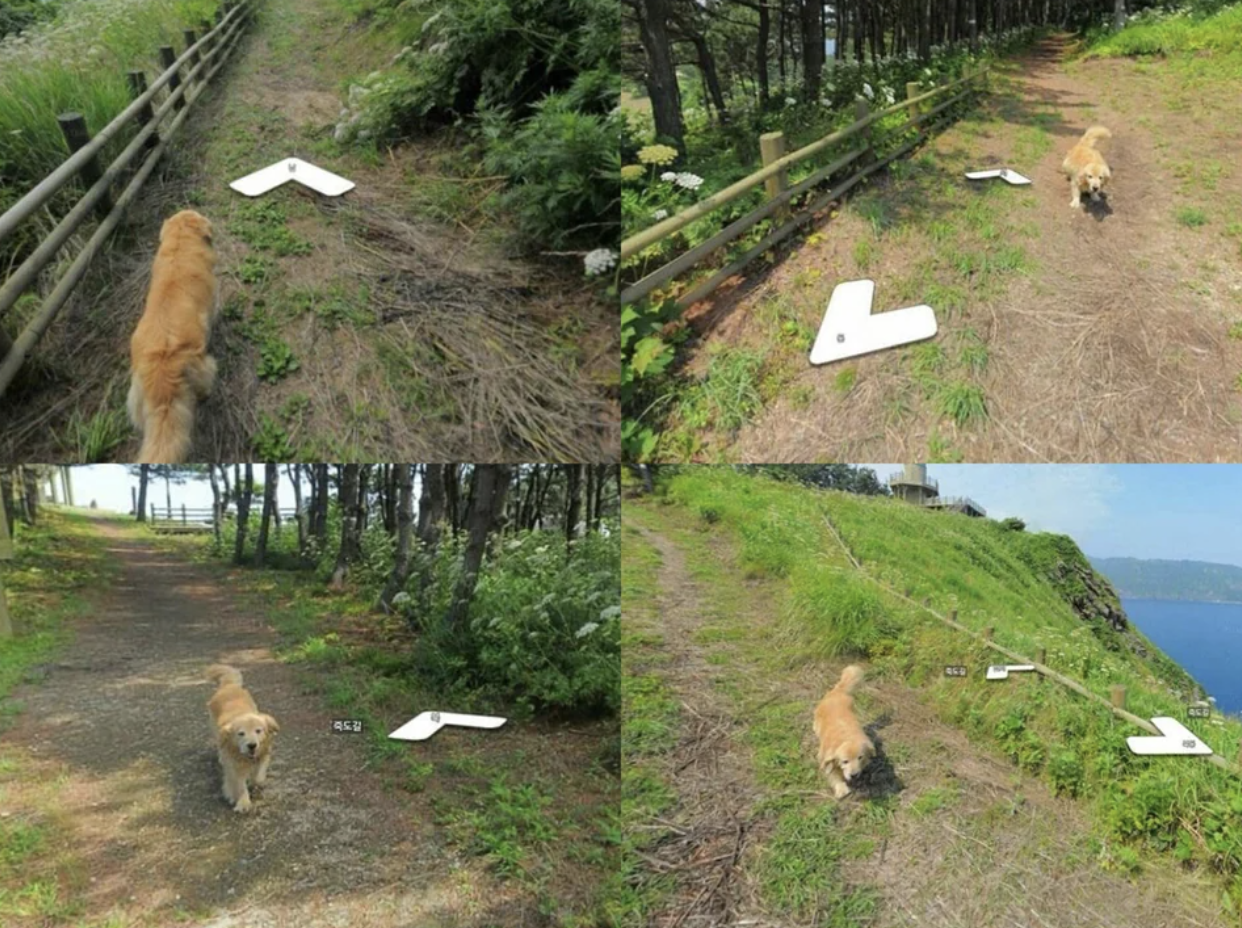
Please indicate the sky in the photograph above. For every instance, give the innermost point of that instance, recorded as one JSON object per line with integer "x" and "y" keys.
{"x": 109, "y": 485}
{"x": 1187, "y": 512}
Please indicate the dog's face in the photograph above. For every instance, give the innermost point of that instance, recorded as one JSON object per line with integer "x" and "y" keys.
{"x": 853, "y": 755}
{"x": 187, "y": 221}
{"x": 249, "y": 733}
{"x": 1092, "y": 178}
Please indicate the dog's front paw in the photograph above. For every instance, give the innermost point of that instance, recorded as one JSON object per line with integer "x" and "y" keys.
{"x": 840, "y": 790}
{"x": 243, "y": 805}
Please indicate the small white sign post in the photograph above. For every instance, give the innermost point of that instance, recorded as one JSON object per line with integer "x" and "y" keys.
{"x": 1174, "y": 738}
{"x": 850, "y": 328}
{"x": 426, "y": 724}
{"x": 292, "y": 169}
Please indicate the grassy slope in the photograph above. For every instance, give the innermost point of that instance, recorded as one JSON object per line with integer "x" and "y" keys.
{"x": 1138, "y": 805}
{"x": 543, "y": 814}
{"x": 58, "y": 563}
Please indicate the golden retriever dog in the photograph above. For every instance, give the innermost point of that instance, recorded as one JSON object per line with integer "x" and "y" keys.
{"x": 172, "y": 370}
{"x": 243, "y": 735}
{"x": 1086, "y": 168}
{"x": 844, "y": 748}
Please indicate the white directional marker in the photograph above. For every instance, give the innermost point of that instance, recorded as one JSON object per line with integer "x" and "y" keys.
{"x": 426, "y": 724}
{"x": 1002, "y": 671}
{"x": 1174, "y": 738}
{"x": 850, "y": 328}
{"x": 295, "y": 169}
{"x": 1008, "y": 176}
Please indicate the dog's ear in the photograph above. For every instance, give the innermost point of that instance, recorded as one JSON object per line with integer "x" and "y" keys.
{"x": 271, "y": 724}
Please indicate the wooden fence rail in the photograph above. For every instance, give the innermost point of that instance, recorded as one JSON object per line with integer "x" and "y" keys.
{"x": 772, "y": 176}
{"x": 204, "y": 57}
{"x": 1115, "y": 703}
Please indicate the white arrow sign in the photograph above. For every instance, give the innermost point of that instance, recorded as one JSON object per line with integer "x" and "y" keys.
{"x": 850, "y": 329}
{"x": 1002, "y": 671}
{"x": 1008, "y": 176}
{"x": 426, "y": 724}
{"x": 295, "y": 169}
{"x": 1174, "y": 738}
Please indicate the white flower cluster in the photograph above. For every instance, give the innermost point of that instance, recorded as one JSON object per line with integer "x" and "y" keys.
{"x": 599, "y": 261}
{"x": 357, "y": 116}
{"x": 688, "y": 180}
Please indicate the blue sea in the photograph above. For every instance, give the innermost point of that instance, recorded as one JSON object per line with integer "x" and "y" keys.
{"x": 1205, "y": 638}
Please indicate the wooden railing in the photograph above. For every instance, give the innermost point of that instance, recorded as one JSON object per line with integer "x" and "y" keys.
{"x": 201, "y": 519}
{"x": 780, "y": 195}
{"x": 201, "y": 60}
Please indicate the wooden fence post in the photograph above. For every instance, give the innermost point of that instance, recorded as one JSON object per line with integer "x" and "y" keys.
{"x": 861, "y": 112}
{"x": 1041, "y": 657}
{"x": 73, "y": 125}
{"x": 1117, "y": 693}
{"x": 772, "y": 148}
{"x": 137, "y": 87}
{"x": 190, "y": 39}
{"x": 988, "y": 632}
{"x": 168, "y": 58}
{"x": 206, "y": 27}
{"x": 183, "y": 513}
{"x": 153, "y": 512}
{"x": 912, "y": 91}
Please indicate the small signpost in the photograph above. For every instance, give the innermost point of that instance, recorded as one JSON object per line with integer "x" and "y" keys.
{"x": 426, "y": 724}
{"x": 292, "y": 169}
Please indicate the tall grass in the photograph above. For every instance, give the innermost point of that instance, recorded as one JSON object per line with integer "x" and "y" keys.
{"x": 76, "y": 63}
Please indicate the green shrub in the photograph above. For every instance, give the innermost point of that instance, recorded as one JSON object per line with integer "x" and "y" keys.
{"x": 836, "y": 613}
{"x": 1065, "y": 772}
{"x": 544, "y": 628}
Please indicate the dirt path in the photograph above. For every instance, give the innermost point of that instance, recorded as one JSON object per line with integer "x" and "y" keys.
{"x": 1096, "y": 336}
{"x": 951, "y": 835}
{"x": 398, "y": 320}
{"x": 119, "y": 724}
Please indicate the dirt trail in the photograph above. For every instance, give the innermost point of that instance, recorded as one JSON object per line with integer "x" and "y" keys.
{"x": 119, "y": 720}
{"x": 1000, "y": 851}
{"x": 1111, "y": 345}
{"x": 395, "y": 321}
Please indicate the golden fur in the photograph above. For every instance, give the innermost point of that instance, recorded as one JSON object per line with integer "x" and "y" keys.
{"x": 1086, "y": 168}
{"x": 172, "y": 370}
{"x": 243, "y": 735}
{"x": 844, "y": 748}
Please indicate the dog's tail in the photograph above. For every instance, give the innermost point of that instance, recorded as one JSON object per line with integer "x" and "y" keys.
{"x": 164, "y": 403}
{"x": 223, "y": 674}
{"x": 1094, "y": 134}
{"x": 851, "y": 676}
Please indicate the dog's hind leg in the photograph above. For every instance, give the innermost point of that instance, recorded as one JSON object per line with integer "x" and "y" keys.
{"x": 202, "y": 375}
{"x": 134, "y": 403}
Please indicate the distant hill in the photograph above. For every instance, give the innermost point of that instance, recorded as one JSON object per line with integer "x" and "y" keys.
{"x": 1185, "y": 580}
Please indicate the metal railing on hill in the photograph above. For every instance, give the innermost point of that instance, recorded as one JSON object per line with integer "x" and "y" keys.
{"x": 780, "y": 195}
{"x": 186, "y": 76}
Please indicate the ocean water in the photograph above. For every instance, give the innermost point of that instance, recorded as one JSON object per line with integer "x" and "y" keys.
{"x": 1205, "y": 638}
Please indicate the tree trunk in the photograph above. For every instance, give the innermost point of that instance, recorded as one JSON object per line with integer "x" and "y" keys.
{"x": 217, "y": 514}
{"x": 30, "y": 487}
{"x": 347, "y": 553}
{"x": 707, "y": 65}
{"x": 404, "y": 476}
{"x": 295, "y": 477}
{"x": 661, "y": 75}
{"x": 573, "y": 500}
{"x": 270, "y": 478}
{"x": 491, "y": 481}
{"x": 1119, "y": 15}
{"x": 321, "y": 507}
{"x": 6, "y": 490}
{"x": 761, "y": 52}
{"x": 452, "y": 490}
{"x": 601, "y": 474}
{"x": 811, "y": 19}
{"x": 245, "y": 493}
{"x": 144, "y": 476}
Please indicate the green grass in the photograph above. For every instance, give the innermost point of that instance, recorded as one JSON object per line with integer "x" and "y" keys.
{"x": 77, "y": 62}
{"x": 1219, "y": 34}
{"x": 1191, "y": 216}
{"x": 962, "y": 402}
{"x": 59, "y": 564}
{"x": 88, "y": 439}
{"x": 1020, "y": 584}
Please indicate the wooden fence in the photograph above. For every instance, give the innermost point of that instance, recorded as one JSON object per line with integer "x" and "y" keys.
{"x": 187, "y": 520}
{"x": 1117, "y": 694}
{"x": 779, "y": 194}
{"x": 201, "y": 60}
